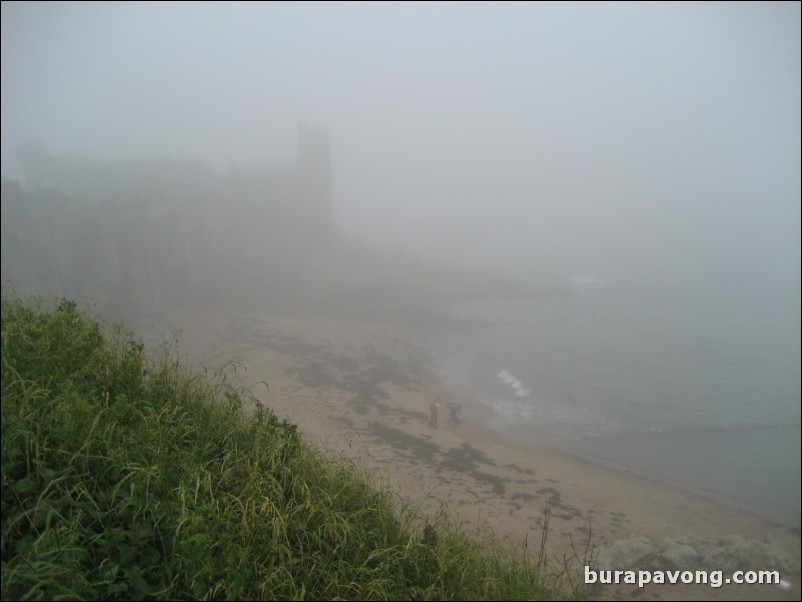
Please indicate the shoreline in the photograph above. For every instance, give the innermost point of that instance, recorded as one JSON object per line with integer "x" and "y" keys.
{"x": 362, "y": 391}
{"x": 584, "y": 453}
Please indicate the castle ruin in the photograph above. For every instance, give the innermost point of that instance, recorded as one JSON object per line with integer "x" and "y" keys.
{"x": 162, "y": 232}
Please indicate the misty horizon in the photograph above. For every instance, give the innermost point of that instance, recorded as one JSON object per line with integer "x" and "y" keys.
{"x": 626, "y": 142}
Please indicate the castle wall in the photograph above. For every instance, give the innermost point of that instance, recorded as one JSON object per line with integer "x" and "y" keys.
{"x": 132, "y": 234}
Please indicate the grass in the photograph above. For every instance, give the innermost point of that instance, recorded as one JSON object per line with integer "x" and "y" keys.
{"x": 129, "y": 477}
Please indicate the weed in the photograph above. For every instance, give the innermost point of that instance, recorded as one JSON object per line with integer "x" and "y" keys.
{"x": 129, "y": 477}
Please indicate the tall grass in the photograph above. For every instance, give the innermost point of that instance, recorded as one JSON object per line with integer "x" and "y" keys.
{"x": 125, "y": 477}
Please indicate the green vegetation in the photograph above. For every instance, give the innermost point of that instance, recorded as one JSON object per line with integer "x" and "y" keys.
{"x": 126, "y": 477}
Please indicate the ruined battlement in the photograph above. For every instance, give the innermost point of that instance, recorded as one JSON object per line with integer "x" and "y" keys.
{"x": 299, "y": 195}
{"x": 161, "y": 232}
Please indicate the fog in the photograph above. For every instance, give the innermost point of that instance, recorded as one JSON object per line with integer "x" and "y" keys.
{"x": 579, "y": 222}
{"x": 633, "y": 142}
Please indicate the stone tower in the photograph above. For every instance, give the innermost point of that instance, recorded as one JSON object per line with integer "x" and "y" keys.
{"x": 313, "y": 180}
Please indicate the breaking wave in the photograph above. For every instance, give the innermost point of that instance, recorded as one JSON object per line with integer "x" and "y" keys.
{"x": 517, "y": 385}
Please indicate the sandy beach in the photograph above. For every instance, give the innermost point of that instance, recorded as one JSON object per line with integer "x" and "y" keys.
{"x": 363, "y": 390}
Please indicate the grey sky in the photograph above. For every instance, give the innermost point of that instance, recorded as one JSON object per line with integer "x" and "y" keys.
{"x": 577, "y": 139}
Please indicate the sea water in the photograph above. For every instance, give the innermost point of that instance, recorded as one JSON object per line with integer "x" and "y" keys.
{"x": 696, "y": 387}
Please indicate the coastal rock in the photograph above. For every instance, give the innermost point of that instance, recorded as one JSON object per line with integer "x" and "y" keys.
{"x": 783, "y": 543}
{"x": 623, "y": 554}
{"x": 734, "y": 553}
{"x": 727, "y": 553}
{"x": 676, "y": 556}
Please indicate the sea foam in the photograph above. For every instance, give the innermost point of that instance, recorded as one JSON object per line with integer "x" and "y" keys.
{"x": 520, "y": 389}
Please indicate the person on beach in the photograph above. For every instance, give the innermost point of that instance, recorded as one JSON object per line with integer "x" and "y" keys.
{"x": 456, "y": 412}
{"x": 433, "y": 414}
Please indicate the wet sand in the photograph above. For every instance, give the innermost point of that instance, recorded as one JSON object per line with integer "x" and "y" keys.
{"x": 363, "y": 391}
